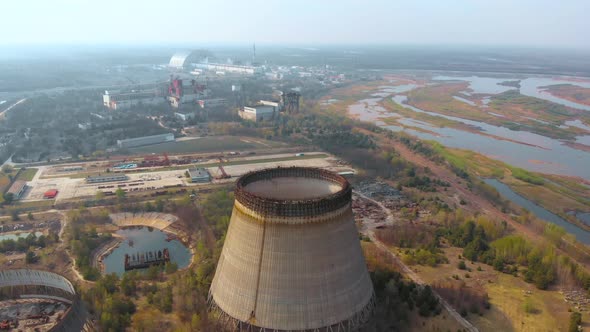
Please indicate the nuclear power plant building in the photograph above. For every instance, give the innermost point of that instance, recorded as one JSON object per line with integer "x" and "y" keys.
{"x": 292, "y": 260}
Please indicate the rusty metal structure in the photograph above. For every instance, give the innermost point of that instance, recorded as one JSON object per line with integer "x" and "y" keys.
{"x": 39, "y": 284}
{"x": 291, "y": 260}
{"x": 291, "y": 102}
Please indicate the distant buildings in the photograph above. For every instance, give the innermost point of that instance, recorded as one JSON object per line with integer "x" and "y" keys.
{"x": 213, "y": 102}
{"x": 17, "y": 189}
{"x": 106, "y": 178}
{"x": 117, "y": 101}
{"x": 51, "y": 193}
{"x": 146, "y": 140}
{"x": 199, "y": 175}
{"x": 258, "y": 113}
{"x": 276, "y": 104}
{"x": 264, "y": 111}
{"x": 181, "y": 92}
{"x": 184, "y": 116}
{"x": 227, "y": 68}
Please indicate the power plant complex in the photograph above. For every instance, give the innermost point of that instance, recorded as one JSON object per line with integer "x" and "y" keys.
{"x": 292, "y": 260}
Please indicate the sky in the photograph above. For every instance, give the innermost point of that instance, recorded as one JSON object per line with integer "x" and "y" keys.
{"x": 545, "y": 23}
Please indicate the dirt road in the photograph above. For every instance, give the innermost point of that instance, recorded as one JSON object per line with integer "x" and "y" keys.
{"x": 3, "y": 113}
{"x": 369, "y": 230}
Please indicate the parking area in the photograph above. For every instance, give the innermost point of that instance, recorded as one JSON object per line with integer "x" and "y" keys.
{"x": 151, "y": 179}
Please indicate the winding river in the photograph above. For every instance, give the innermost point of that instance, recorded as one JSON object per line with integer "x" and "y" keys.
{"x": 581, "y": 234}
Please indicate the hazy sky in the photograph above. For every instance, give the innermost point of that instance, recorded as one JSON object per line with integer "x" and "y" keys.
{"x": 486, "y": 22}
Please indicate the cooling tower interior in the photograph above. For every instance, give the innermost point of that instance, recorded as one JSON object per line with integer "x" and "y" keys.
{"x": 292, "y": 260}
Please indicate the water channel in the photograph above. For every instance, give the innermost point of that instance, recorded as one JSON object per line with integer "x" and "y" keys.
{"x": 141, "y": 240}
{"x": 538, "y": 153}
{"x": 17, "y": 236}
{"x": 581, "y": 235}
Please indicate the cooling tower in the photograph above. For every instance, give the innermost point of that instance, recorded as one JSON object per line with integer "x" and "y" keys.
{"x": 291, "y": 260}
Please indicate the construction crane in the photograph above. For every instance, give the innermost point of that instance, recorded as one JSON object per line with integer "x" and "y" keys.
{"x": 223, "y": 174}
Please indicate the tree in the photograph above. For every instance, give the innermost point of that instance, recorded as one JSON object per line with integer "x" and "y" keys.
{"x": 7, "y": 169}
{"x": 99, "y": 195}
{"x": 120, "y": 194}
{"x": 30, "y": 257}
{"x": 170, "y": 267}
{"x": 575, "y": 322}
{"x": 14, "y": 214}
{"x": 30, "y": 216}
{"x": 159, "y": 205}
{"x": 461, "y": 265}
{"x": 8, "y": 198}
{"x": 146, "y": 320}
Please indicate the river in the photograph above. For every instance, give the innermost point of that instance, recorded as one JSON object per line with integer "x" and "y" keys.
{"x": 537, "y": 153}
{"x": 530, "y": 86}
{"x": 581, "y": 234}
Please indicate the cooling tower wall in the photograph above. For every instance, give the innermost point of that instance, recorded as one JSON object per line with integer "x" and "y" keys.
{"x": 298, "y": 267}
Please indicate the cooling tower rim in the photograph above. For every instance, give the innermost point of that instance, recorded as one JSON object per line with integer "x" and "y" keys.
{"x": 293, "y": 207}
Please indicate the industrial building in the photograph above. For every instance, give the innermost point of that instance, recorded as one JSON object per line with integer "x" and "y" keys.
{"x": 51, "y": 193}
{"x": 259, "y": 113}
{"x": 292, "y": 260}
{"x": 199, "y": 175}
{"x": 182, "y": 93}
{"x": 184, "y": 59}
{"x": 118, "y": 101}
{"x": 229, "y": 68}
{"x": 276, "y": 104}
{"x": 212, "y": 102}
{"x": 184, "y": 116}
{"x": 106, "y": 178}
{"x": 145, "y": 140}
{"x": 17, "y": 189}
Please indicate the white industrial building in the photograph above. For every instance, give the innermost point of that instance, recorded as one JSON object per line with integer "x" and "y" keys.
{"x": 116, "y": 101}
{"x": 276, "y": 104}
{"x": 212, "y": 102}
{"x": 184, "y": 116}
{"x": 258, "y": 113}
{"x": 106, "y": 178}
{"x": 228, "y": 68}
{"x": 146, "y": 140}
{"x": 199, "y": 175}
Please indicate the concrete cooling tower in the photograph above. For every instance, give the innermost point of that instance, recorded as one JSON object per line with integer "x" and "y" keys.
{"x": 292, "y": 259}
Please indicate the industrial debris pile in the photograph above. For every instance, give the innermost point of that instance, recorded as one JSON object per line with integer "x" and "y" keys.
{"x": 30, "y": 314}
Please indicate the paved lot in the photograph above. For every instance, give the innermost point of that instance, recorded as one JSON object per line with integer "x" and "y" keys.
{"x": 78, "y": 188}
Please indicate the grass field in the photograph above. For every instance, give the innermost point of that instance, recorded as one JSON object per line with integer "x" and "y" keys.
{"x": 557, "y": 194}
{"x": 27, "y": 174}
{"x": 507, "y": 295}
{"x": 571, "y": 92}
{"x": 207, "y": 144}
{"x": 518, "y": 112}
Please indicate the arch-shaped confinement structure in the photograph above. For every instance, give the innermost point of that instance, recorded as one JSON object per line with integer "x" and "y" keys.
{"x": 183, "y": 59}
{"x": 292, "y": 260}
{"x": 31, "y": 284}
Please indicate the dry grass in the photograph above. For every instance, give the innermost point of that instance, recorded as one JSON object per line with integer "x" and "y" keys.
{"x": 576, "y": 94}
{"x": 507, "y": 296}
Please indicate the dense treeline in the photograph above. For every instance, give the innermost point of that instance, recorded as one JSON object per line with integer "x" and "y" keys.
{"x": 23, "y": 244}
{"x": 83, "y": 240}
{"x": 421, "y": 243}
{"x": 110, "y": 303}
{"x": 505, "y": 254}
{"x": 397, "y": 299}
